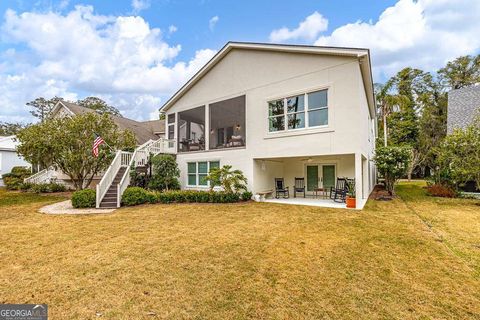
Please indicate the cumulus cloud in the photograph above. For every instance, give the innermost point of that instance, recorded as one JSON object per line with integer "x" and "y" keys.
{"x": 122, "y": 59}
{"x": 213, "y": 22}
{"x": 423, "y": 34}
{"x": 139, "y": 5}
{"x": 308, "y": 29}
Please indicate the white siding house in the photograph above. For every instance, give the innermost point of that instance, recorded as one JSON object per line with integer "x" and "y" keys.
{"x": 9, "y": 157}
{"x": 278, "y": 111}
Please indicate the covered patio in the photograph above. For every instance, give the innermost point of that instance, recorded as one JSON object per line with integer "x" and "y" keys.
{"x": 316, "y": 174}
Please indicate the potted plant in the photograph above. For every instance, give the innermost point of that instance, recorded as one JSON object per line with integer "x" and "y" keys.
{"x": 350, "y": 200}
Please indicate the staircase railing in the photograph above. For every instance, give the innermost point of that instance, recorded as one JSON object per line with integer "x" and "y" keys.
{"x": 43, "y": 176}
{"x": 140, "y": 158}
{"x": 108, "y": 177}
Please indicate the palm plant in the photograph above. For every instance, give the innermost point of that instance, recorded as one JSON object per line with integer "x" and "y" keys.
{"x": 230, "y": 180}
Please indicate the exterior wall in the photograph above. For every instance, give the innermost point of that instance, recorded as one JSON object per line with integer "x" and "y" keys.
{"x": 463, "y": 106}
{"x": 264, "y": 76}
{"x": 8, "y": 160}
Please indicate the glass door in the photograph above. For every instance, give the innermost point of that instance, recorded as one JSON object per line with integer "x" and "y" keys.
{"x": 312, "y": 177}
{"x": 328, "y": 176}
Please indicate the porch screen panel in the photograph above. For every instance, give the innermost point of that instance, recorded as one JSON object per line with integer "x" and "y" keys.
{"x": 227, "y": 123}
{"x": 191, "y": 130}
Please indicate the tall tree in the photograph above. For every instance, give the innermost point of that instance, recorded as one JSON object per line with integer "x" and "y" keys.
{"x": 67, "y": 144}
{"x": 99, "y": 105}
{"x": 42, "y": 107}
{"x": 461, "y": 72}
{"x": 7, "y": 129}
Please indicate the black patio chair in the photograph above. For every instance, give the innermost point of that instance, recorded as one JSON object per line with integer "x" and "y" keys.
{"x": 280, "y": 188}
{"x": 299, "y": 187}
{"x": 339, "y": 192}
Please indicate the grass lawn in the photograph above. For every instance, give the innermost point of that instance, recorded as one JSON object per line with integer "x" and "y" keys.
{"x": 416, "y": 257}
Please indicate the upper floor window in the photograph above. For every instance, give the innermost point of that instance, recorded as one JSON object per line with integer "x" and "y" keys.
{"x": 298, "y": 112}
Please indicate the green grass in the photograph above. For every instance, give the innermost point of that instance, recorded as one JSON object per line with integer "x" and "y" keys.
{"x": 411, "y": 258}
{"x": 15, "y": 198}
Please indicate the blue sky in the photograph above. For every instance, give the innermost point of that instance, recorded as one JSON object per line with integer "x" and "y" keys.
{"x": 136, "y": 53}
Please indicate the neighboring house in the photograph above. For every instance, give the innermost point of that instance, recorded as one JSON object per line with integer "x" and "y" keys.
{"x": 463, "y": 106}
{"x": 9, "y": 157}
{"x": 278, "y": 111}
{"x": 145, "y": 132}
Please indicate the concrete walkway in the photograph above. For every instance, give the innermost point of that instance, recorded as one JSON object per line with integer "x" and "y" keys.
{"x": 65, "y": 207}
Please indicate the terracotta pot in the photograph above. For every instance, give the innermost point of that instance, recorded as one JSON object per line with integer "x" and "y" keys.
{"x": 350, "y": 202}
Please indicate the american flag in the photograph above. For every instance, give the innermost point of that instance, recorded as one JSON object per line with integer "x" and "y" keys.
{"x": 96, "y": 143}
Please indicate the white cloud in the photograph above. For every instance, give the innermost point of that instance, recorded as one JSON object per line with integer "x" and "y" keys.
{"x": 172, "y": 29}
{"x": 213, "y": 22}
{"x": 423, "y": 34}
{"x": 139, "y": 5}
{"x": 309, "y": 29}
{"x": 80, "y": 53}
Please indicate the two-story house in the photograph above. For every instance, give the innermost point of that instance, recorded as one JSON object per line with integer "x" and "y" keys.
{"x": 277, "y": 111}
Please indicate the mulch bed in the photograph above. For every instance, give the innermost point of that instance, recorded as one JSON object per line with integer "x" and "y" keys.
{"x": 380, "y": 194}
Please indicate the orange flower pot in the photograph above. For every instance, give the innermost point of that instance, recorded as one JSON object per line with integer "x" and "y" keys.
{"x": 351, "y": 203}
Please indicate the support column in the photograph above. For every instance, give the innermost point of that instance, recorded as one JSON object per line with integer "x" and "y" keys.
{"x": 207, "y": 127}
{"x": 358, "y": 179}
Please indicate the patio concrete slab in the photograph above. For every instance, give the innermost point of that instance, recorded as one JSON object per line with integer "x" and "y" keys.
{"x": 326, "y": 203}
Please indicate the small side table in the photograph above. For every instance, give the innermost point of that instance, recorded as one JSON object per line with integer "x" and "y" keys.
{"x": 322, "y": 190}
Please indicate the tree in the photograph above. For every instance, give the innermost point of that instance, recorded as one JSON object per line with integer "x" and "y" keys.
{"x": 165, "y": 173}
{"x": 99, "y": 105}
{"x": 460, "y": 154}
{"x": 66, "y": 143}
{"x": 461, "y": 72}
{"x": 392, "y": 163}
{"x": 42, "y": 107}
{"x": 8, "y": 129}
{"x": 230, "y": 180}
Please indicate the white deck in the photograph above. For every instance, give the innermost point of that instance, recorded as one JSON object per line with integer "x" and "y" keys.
{"x": 309, "y": 201}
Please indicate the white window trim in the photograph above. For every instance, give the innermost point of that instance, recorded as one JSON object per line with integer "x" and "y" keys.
{"x": 197, "y": 177}
{"x": 306, "y": 111}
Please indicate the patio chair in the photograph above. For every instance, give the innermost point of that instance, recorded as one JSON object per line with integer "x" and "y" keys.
{"x": 280, "y": 189}
{"x": 339, "y": 192}
{"x": 299, "y": 186}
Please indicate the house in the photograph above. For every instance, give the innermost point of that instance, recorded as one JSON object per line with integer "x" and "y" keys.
{"x": 144, "y": 132}
{"x": 463, "y": 106}
{"x": 277, "y": 111}
{"x": 9, "y": 157}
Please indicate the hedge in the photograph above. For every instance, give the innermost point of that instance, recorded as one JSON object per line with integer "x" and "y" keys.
{"x": 14, "y": 179}
{"x": 136, "y": 195}
{"x": 84, "y": 198}
{"x": 42, "y": 187}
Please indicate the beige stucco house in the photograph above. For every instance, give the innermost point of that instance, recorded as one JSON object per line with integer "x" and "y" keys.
{"x": 277, "y": 111}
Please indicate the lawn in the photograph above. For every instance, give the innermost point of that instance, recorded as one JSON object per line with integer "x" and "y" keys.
{"x": 416, "y": 257}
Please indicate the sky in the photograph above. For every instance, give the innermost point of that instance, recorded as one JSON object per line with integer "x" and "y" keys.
{"x": 135, "y": 54}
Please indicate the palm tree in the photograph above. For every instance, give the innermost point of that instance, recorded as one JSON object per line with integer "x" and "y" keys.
{"x": 387, "y": 102}
{"x": 230, "y": 180}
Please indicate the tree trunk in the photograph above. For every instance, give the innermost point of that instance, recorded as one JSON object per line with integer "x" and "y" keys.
{"x": 384, "y": 129}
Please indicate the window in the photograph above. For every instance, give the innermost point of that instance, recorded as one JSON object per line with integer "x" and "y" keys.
{"x": 298, "y": 112}
{"x": 317, "y": 109}
{"x": 198, "y": 171}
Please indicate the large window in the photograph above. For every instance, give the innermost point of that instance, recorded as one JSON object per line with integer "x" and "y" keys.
{"x": 198, "y": 171}
{"x": 298, "y": 112}
{"x": 191, "y": 130}
{"x": 227, "y": 123}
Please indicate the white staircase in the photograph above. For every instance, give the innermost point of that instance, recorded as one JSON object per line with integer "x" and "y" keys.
{"x": 43, "y": 176}
{"x": 117, "y": 177}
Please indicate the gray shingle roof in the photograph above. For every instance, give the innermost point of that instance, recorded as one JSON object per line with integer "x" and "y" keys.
{"x": 142, "y": 130}
{"x": 463, "y": 106}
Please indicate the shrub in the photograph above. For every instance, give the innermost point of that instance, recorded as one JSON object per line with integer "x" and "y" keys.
{"x": 247, "y": 195}
{"x": 165, "y": 173}
{"x": 230, "y": 180}
{"x": 183, "y": 196}
{"x": 84, "y": 198}
{"x": 14, "y": 179}
{"x": 26, "y": 186}
{"x": 57, "y": 187}
{"x": 438, "y": 190}
{"x": 43, "y": 187}
{"x": 40, "y": 188}
{"x": 134, "y": 196}
{"x": 392, "y": 163}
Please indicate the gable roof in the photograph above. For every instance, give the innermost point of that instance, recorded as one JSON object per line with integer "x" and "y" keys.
{"x": 143, "y": 131}
{"x": 463, "y": 107}
{"x": 362, "y": 54}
